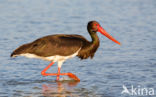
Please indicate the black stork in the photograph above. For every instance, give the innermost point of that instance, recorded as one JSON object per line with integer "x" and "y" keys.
{"x": 60, "y": 47}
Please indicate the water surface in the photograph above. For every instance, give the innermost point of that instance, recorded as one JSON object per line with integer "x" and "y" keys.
{"x": 132, "y": 22}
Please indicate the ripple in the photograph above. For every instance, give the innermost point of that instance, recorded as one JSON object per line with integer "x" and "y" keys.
{"x": 131, "y": 22}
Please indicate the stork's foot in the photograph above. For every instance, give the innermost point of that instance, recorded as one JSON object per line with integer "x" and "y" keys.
{"x": 73, "y": 76}
{"x": 70, "y": 75}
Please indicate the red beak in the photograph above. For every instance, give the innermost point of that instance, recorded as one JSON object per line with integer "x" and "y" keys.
{"x": 102, "y": 31}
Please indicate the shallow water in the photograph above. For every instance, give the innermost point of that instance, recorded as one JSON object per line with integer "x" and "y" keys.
{"x": 132, "y": 22}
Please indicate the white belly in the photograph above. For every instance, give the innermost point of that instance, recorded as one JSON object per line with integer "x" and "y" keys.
{"x": 55, "y": 58}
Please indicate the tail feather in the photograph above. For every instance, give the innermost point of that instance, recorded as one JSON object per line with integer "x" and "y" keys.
{"x": 12, "y": 54}
{"x": 20, "y": 50}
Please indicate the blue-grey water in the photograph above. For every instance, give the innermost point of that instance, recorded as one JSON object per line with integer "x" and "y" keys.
{"x": 132, "y": 22}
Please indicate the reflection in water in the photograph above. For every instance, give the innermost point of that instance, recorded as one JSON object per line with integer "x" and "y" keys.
{"x": 130, "y": 21}
{"x": 61, "y": 89}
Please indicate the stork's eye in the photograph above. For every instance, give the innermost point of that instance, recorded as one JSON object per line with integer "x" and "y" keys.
{"x": 96, "y": 25}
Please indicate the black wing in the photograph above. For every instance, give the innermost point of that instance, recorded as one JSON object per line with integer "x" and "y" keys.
{"x": 51, "y": 45}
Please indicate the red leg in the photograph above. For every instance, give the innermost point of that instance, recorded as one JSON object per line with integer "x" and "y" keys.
{"x": 45, "y": 69}
{"x": 73, "y": 76}
{"x": 58, "y": 74}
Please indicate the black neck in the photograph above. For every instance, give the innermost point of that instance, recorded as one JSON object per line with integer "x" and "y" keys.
{"x": 94, "y": 37}
{"x": 90, "y": 47}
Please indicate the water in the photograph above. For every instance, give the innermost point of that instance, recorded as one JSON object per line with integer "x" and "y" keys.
{"x": 132, "y": 22}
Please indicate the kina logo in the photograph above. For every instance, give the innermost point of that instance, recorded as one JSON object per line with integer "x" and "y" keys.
{"x": 138, "y": 90}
